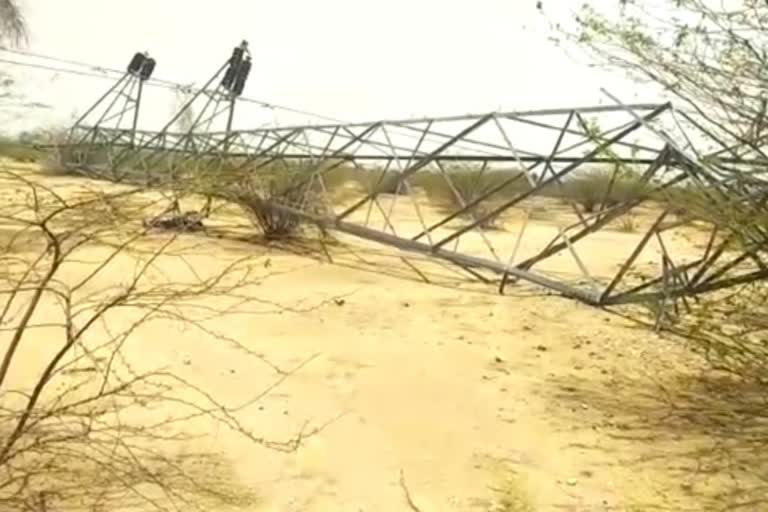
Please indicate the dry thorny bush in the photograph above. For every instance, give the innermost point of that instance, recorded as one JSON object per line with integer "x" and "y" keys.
{"x": 708, "y": 425}
{"x": 271, "y": 202}
{"x": 732, "y": 332}
{"x": 84, "y": 426}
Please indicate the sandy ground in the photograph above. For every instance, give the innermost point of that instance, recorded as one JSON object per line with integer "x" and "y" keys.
{"x": 445, "y": 388}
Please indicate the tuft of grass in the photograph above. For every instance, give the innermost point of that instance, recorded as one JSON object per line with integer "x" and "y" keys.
{"x": 628, "y": 223}
{"x": 511, "y": 497}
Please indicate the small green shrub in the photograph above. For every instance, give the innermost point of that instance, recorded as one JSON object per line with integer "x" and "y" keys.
{"x": 685, "y": 201}
{"x": 381, "y": 180}
{"x": 18, "y": 152}
{"x": 600, "y": 189}
{"x": 460, "y": 185}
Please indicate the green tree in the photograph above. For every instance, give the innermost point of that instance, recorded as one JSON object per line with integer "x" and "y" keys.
{"x": 711, "y": 56}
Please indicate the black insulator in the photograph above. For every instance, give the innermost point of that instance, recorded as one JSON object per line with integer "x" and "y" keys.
{"x": 242, "y": 76}
{"x": 237, "y": 56}
{"x": 147, "y": 68}
{"x": 229, "y": 77}
{"x": 136, "y": 62}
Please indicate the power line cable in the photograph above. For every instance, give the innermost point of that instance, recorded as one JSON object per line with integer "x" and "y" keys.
{"x": 168, "y": 84}
{"x": 52, "y": 68}
{"x": 154, "y": 81}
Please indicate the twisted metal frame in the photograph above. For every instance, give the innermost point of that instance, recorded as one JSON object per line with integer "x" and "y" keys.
{"x": 546, "y": 149}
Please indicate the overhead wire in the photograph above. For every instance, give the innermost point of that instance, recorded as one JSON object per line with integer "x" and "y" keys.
{"x": 101, "y": 72}
{"x": 52, "y": 68}
{"x": 104, "y": 71}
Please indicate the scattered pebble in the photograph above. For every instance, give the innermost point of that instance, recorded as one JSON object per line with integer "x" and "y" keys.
{"x": 571, "y": 482}
{"x": 541, "y": 348}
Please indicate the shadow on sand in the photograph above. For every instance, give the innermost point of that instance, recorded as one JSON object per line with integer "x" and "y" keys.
{"x": 705, "y": 433}
{"x": 381, "y": 261}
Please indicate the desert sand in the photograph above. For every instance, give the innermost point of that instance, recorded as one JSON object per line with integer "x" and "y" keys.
{"x": 465, "y": 398}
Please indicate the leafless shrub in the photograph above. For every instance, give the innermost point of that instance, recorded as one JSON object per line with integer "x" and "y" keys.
{"x": 272, "y": 201}
{"x": 82, "y": 422}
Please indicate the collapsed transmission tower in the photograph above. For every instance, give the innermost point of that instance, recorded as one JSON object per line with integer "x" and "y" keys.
{"x": 518, "y": 221}
{"x": 118, "y": 109}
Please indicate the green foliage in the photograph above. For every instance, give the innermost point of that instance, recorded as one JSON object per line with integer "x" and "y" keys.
{"x": 19, "y": 152}
{"x": 598, "y": 189}
{"x": 457, "y": 186}
{"x": 50, "y": 148}
{"x": 686, "y": 201}
{"x": 384, "y": 181}
{"x": 711, "y": 56}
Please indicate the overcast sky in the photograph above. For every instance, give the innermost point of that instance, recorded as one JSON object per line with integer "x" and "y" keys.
{"x": 348, "y": 59}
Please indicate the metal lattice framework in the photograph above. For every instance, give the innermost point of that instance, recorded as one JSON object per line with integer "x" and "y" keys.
{"x": 532, "y": 156}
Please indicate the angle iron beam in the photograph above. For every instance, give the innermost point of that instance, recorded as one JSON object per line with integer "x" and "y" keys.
{"x": 563, "y": 172}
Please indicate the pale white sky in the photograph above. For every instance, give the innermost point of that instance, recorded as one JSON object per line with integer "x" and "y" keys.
{"x": 349, "y": 59}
